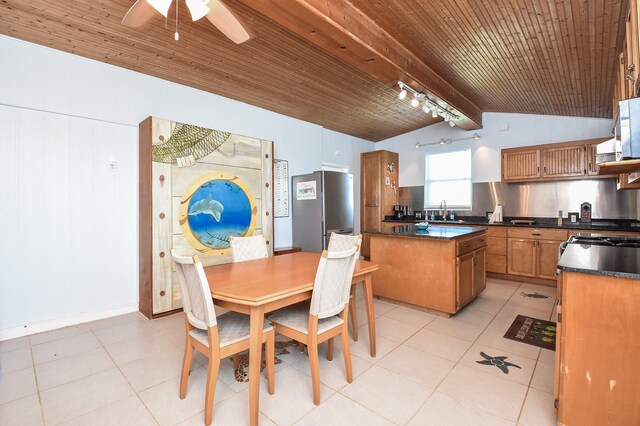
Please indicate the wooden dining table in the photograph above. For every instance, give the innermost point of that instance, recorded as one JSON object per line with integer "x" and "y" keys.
{"x": 260, "y": 286}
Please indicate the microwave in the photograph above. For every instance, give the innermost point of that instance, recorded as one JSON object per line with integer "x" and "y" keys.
{"x": 628, "y": 129}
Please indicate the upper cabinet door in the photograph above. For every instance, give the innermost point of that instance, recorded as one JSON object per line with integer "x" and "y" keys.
{"x": 521, "y": 165}
{"x": 564, "y": 162}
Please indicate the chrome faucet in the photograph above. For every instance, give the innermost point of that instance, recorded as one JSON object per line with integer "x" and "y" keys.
{"x": 442, "y": 212}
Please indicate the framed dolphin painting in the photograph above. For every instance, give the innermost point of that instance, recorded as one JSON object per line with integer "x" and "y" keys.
{"x": 198, "y": 187}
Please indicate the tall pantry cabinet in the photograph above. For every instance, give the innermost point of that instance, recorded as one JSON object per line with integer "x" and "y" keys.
{"x": 378, "y": 190}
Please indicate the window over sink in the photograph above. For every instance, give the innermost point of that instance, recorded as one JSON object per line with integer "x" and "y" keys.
{"x": 448, "y": 177}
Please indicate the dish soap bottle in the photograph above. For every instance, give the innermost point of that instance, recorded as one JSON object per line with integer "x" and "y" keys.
{"x": 452, "y": 215}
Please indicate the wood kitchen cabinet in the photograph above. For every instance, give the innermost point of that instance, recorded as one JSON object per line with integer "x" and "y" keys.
{"x": 378, "y": 190}
{"x": 566, "y": 161}
{"x": 479, "y": 270}
{"x": 434, "y": 273}
{"x": 597, "y": 376}
{"x": 496, "y": 253}
{"x": 559, "y": 161}
{"x": 521, "y": 165}
{"x": 533, "y": 252}
{"x": 464, "y": 278}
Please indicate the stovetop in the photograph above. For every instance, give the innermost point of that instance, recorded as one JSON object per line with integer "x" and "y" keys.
{"x": 605, "y": 240}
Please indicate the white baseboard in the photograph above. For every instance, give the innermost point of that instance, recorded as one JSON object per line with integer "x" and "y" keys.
{"x": 39, "y": 327}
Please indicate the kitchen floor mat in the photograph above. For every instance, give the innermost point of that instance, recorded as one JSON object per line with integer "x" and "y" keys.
{"x": 533, "y": 331}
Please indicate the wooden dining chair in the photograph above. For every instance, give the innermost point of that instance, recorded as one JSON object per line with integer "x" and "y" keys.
{"x": 248, "y": 248}
{"x": 340, "y": 242}
{"x": 327, "y": 315}
{"x": 216, "y": 337}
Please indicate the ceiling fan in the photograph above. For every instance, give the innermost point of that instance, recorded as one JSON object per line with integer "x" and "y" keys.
{"x": 216, "y": 12}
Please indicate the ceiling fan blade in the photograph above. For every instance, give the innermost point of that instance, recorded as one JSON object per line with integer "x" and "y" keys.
{"x": 140, "y": 12}
{"x": 224, "y": 20}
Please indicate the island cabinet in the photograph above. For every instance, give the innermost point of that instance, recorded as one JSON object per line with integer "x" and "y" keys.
{"x": 533, "y": 252}
{"x": 597, "y": 374}
{"x": 442, "y": 274}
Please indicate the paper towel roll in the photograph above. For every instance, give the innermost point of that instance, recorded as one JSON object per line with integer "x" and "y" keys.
{"x": 496, "y": 217}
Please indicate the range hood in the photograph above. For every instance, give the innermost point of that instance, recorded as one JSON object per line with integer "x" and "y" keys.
{"x": 608, "y": 150}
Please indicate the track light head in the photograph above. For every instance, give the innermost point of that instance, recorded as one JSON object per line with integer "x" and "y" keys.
{"x": 452, "y": 123}
{"x": 403, "y": 93}
{"x": 434, "y": 113}
{"x": 415, "y": 102}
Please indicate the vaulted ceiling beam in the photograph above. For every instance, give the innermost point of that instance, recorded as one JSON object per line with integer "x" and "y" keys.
{"x": 342, "y": 30}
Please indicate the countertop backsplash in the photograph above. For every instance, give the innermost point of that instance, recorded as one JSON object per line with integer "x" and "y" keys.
{"x": 544, "y": 199}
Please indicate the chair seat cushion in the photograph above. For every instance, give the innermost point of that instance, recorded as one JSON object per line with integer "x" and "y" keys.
{"x": 297, "y": 318}
{"x": 232, "y": 328}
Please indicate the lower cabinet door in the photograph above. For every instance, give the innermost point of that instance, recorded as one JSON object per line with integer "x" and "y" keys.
{"x": 479, "y": 271}
{"x": 521, "y": 258}
{"x": 548, "y": 259}
{"x": 464, "y": 279}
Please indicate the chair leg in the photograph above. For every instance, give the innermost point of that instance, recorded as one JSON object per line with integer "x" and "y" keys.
{"x": 344, "y": 339}
{"x": 353, "y": 313}
{"x": 212, "y": 378}
{"x": 301, "y": 346}
{"x": 330, "y": 349}
{"x": 186, "y": 366}
{"x": 236, "y": 361}
{"x": 312, "y": 348}
{"x": 270, "y": 361}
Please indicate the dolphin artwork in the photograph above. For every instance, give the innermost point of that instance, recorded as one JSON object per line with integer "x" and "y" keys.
{"x": 207, "y": 206}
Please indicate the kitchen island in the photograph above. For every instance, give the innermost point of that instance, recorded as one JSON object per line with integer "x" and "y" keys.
{"x": 441, "y": 269}
{"x": 597, "y": 375}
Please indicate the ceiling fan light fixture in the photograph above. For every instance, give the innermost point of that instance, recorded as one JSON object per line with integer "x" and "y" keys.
{"x": 161, "y": 6}
{"x": 198, "y": 8}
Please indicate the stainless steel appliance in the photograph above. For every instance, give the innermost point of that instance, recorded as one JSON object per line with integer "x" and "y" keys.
{"x": 322, "y": 203}
{"x": 628, "y": 128}
{"x": 605, "y": 240}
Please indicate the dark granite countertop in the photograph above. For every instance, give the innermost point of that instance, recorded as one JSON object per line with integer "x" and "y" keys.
{"x": 622, "y": 262}
{"x": 434, "y": 231}
{"x": 597, "y": 225}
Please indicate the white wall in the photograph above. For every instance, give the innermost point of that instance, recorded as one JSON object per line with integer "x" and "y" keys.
{"x": 69, "y": 222}
{"x": 522, "y": 130}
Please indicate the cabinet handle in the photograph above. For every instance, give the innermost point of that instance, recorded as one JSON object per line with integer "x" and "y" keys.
{"x": 536, "y": 234}
{"x": 466, "y": 245}
{"x": 544, "y": 169}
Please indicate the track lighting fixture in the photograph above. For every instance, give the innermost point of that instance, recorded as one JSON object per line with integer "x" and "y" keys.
{"x": 444, "y": 141}
{"x": 428, "y": 105}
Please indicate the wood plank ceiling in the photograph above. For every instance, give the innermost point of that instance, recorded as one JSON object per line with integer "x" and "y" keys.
{"x": 541, "y": 57}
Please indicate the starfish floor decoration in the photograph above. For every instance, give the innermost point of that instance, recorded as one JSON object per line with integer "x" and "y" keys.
{"x": 498, "y": 361}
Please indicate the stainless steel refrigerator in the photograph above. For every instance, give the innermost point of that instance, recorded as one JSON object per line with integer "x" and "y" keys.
{"x": 322, "y": 203}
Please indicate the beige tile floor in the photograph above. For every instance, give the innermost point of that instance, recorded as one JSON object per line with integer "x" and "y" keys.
{"x": 125, "y": 371}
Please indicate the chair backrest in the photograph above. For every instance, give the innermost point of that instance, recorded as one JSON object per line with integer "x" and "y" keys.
{"x": 248, "y": 248}
{"x": 333, "y": 282}
{"x": 196, "y": 295}
{"x": 341, "y": 242}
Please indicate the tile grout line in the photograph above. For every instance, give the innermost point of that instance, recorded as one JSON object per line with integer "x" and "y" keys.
{"x": 35, "y": 375}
